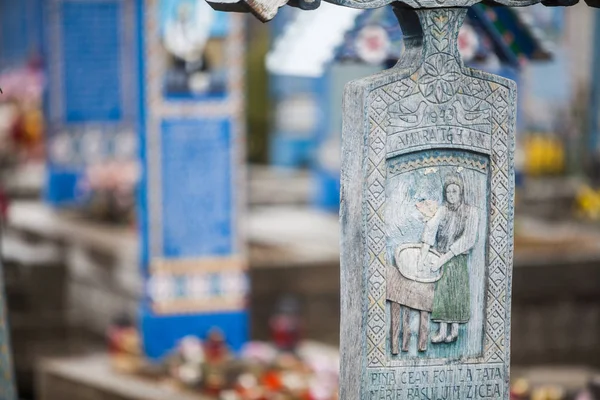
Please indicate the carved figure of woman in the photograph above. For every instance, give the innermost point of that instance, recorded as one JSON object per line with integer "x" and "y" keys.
{"x": 453, "y": 233}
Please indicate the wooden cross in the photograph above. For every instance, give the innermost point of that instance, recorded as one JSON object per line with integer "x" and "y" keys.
{"x": 427, "y": 207}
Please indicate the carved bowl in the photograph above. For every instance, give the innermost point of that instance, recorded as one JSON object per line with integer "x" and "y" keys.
{"x": 407, "y": 261}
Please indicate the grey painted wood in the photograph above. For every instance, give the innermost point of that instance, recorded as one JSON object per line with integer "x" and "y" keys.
{"x": 427, "y": 174}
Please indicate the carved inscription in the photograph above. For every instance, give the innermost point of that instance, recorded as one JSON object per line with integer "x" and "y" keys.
{"x": 470, "y": 381}
{"x": 436, "y": 136}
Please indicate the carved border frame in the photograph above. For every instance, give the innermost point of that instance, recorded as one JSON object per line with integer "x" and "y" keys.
{"x": 500, "y": 246}
{"x": 434, "y": 161}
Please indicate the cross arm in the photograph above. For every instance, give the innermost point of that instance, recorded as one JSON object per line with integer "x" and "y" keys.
{"x": 266, "y": 10}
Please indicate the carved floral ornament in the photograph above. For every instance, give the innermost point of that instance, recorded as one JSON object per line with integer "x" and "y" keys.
{"x": 266, "y": 10}
{"x": 439, "y": 82}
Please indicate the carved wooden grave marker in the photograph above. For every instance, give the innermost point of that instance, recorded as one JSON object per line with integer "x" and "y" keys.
{"x": 426, "y": 215}
{"x": 428, "y": 233}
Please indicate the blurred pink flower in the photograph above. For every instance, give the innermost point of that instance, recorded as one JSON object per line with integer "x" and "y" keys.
{"x": 259, "y": 351}
{"x": 25, "y": 84}
{"x": 119, "y": 177}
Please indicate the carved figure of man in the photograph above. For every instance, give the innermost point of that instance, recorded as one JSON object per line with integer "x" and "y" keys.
{"x": 453, "y": 233}
{"x": 406, "y": 292}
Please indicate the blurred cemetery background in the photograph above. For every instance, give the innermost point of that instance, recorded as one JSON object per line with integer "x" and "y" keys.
{"x": 169, "y": 183}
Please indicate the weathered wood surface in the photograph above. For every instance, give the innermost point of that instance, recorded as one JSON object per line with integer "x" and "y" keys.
{"x": 427, "y": 160}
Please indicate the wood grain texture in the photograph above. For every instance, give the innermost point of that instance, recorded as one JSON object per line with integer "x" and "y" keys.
{"x": 352, "y": 242}
{"x": 405, "y": 132}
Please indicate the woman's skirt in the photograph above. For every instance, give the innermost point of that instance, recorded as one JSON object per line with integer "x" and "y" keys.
{"x": 409, "y": 293}
{"x": 452, "y": 301}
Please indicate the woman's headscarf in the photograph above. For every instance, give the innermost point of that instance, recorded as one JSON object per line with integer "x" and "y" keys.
{"x": 454, "y": 180}
{"x": 453, "y": 224}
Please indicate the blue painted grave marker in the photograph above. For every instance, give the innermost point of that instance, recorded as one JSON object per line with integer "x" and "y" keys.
{"x": 193, "y": 256}
{"x": 92, "y": 95}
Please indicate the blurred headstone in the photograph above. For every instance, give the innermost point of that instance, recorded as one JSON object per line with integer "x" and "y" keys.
{"x": 161, "y": 81}
{"x": 21, "y": 33}
{"x": 191, "y": 197}
{"x": 92, "y": 100}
